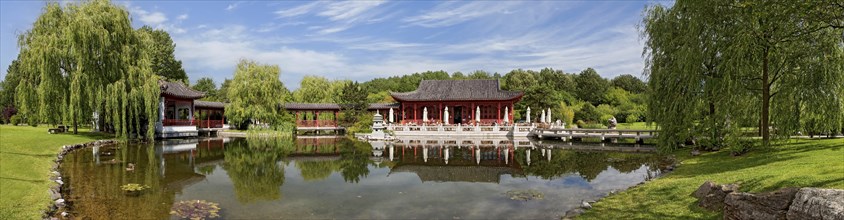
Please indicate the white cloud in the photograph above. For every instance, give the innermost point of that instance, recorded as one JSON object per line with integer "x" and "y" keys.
{"x": 348, "y": 10}
{"x": 150, "y": 18}
{"x": 296, "y": 11}
{"x": 447, "y": 14}
{"x": 182, "y": 17}
{"x": 233, "y": 6}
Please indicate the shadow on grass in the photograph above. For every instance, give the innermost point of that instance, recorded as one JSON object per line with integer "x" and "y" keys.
{"x": 23, "y": 180}
{"x": 26, "y": 154}
{"x": 92, "y": 135}
{"x": 722, "y": 161}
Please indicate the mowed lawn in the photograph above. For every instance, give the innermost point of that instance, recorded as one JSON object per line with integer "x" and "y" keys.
{"x": 795, "y": 163}
{"x": 26, "y": 157}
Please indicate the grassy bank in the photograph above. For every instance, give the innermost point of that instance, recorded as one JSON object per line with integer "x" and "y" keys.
{"x": 26, "y": 156}
{"x": 796, "y": 163}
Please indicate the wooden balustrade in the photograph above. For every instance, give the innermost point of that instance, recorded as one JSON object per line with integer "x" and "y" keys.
{"x": 178, "y": 122}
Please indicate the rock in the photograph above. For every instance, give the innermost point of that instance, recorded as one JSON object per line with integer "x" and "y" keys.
{"x": 60, "y": 202}
{"x": 54, "y": 195}
{"x": 711, "y": 196}
{"x": 65, "y": 214}
{"x": 60, "y": 182}
{"x": 815, "y": 203}
{"x": 585, "y": 205}
{"x": 570, "y": 214}
{"x": 695, "y": 152}
{"x": 770, "y": 205}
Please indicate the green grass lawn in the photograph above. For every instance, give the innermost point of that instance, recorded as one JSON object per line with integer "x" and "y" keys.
{"x": 796, "y": 163}
{"x": 26, "y": 157}
{"x": 636, "y": 125}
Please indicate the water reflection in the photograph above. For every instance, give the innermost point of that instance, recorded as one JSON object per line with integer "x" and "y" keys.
{"x": 338, "y": 177}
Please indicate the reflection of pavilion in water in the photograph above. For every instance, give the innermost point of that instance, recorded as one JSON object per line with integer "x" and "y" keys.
{"x": 452, "y": 160}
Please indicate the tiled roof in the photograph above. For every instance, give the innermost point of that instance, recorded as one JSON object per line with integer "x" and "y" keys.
{"x": 207, "y": 104}
{"x": 382, "y": 106}
{"x": 334, "y": 106}
{"x": 457, "y": 90}
{"x": 311, "y": 106}
{"x": 178, "y": 90}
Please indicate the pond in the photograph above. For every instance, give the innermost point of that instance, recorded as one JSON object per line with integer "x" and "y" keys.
{"x": 318, "y": 178}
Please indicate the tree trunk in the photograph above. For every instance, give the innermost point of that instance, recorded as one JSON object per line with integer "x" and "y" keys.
{"x": 766, "y": 99}
{"x": 75, "y": 126}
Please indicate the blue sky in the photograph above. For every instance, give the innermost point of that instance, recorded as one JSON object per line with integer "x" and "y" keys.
{"x": 361, "y": 40}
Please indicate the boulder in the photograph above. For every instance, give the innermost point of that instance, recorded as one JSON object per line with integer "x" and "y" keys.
{"x": 815, "y": 203}
{"x": 769, "y": 205}
{"x": 711, "y": 196}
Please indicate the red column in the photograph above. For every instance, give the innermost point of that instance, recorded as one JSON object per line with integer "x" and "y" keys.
{"x": 511, "y": 113}
{"x": 472, "y": 110}
{"x": 335, "y": 119}
{"x": 414, "y": 112}
{"x": 498, "y": 117}
{"x": 316, "y": 118}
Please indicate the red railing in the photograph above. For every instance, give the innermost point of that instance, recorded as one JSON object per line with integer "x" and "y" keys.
{"x": 210, "y": 123}
{"x": 178, "y": 122}
{"x": 316, "y": 123}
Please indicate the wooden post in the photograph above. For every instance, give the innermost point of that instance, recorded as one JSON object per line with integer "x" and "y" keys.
{"x": 414, "y": 113}
{"x": 473, "y": 112}
{"x": 498, "y": 117}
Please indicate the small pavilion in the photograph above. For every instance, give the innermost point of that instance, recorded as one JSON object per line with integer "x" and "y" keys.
{"x": 210, "y": 114}
{"x": 178, "y": 108}
{"x": 466, "y": 102}
{"x": 325, "y": 115}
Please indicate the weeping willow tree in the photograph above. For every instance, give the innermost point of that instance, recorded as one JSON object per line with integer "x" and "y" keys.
{"x": 714, "y": 67}
{"x": 85, "y": 58}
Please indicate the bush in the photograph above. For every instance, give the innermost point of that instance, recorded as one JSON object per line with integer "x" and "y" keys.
{"x": 15, "y": 119}
{"x": 580, "y": 123}
{"x": 739, "y": 145}
{"x": 631, "y": 118}
{"x": 594, "y": 126}
{"x": 587, "y": 113}
{"x": 605, "y": 119}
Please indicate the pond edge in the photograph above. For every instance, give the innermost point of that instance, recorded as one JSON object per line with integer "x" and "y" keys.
{"x": 58, "y": 186}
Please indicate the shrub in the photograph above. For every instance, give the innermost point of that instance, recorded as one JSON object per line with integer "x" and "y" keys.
{"x": 580, "y": 123}
{"x": 594, "y": 126}
{"x": 605, "y": 119}
{"x": 15, "y": 119}
{"x": 631, "y": 118}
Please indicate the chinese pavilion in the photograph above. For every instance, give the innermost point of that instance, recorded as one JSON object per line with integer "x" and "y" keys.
{"x": 457, "y": 102}
{"x": 177, "y": 111}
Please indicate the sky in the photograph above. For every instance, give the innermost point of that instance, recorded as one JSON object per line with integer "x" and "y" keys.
{"x": 361, "y": 40}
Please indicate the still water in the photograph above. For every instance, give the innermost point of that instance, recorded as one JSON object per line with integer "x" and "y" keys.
{"x": 301, "y": 178}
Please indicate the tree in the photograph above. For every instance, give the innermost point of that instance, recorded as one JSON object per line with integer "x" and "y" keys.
{"x": 313, "y": 89}
{"x": 591, "y": 87}
{"x": 223, "y": 92}
{"x": 354, "y": 104}
{"x": 86, "y": 58}
{"x": 162, "y": 52}
{"x": 743, "y": 61}
{"x": 630, "y": 83}
{"x": 479, "y": 74}
{"x": 519, "y": 80}
{"x": 556, "y": 80}
{"x": 207, "y": 86}
{"x": 255, "y": 93}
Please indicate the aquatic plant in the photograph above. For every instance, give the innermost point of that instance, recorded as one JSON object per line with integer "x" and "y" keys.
{"x": 195, "y": 209}
{"x": 133, "y": 189}
{"x": 525, "y": 195}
